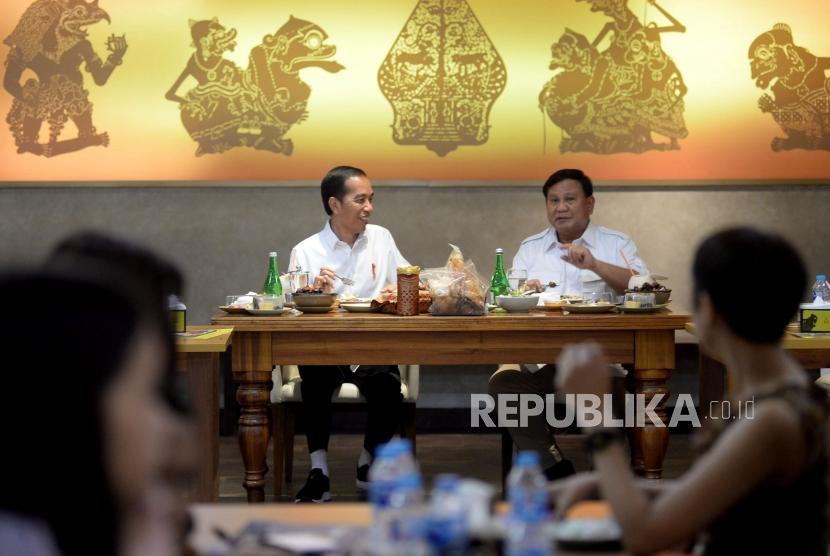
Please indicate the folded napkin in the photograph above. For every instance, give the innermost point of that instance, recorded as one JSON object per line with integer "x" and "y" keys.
{"x": 246, "y": 300}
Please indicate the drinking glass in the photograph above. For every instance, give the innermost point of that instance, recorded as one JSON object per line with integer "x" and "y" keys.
{"x": 299, "y": 279}
{"x": 517, "y": 278}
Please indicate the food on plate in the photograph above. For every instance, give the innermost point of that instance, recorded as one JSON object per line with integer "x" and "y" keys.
{"x": 649, "y": 287}
{"x": 308, "y": 290}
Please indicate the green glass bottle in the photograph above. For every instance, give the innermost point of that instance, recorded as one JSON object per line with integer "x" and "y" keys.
{"x": 499, "y": 284}
{"x": 273, "y": 286}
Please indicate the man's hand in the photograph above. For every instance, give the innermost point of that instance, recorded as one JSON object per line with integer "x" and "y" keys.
{"x": 582, "y": 369}
{"x": 579, "y": 256}
{"x": 325, "y": 281}
{"x": 535, "y": 285}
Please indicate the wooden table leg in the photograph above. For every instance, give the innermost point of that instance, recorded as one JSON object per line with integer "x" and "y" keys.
{"x": 653, "y": 361}
{"x": 203, "y": 384}
{"x": 252, "y": 370}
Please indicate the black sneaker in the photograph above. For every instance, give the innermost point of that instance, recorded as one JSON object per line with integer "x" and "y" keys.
{"x": 316, "y": 489}
{"x": 362, "y": 481}
{"x": 560, "y": 470}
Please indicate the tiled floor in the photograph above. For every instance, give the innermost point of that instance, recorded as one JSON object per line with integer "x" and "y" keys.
{"x": 469, "y": 455}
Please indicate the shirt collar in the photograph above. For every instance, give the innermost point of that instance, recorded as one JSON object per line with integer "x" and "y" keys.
{"x": 588, "y": 238}
{"x": 330, "y": 239}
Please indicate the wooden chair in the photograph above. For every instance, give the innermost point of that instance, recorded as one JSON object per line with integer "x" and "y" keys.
{"x": 286, "y": 400}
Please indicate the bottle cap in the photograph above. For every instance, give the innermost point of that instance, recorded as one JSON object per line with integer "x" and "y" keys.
{"x": 821, "y": 277}
{"x": 527, "y": 458}
{"x": 499, "y": 251}
{"x": 272, "y": 254}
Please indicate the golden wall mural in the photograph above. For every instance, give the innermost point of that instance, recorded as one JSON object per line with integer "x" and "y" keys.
{"x": 618, "y": 99}
{"x": 442, "y": 76}
{"x": 50, "y": 41}
{"x": 801, "y": 89}
{"x": 256, "y": 107}
{"x": 636, "y": 92}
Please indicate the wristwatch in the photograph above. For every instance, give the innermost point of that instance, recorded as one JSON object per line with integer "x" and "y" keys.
{"x": 600, "y": 439}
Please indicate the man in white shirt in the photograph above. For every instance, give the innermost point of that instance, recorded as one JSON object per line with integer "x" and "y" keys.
{"x": 571, "y": 256}
{"x": 350, "y": 247}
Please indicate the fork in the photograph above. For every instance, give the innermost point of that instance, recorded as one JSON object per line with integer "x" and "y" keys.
{"x": 346, "y": 281}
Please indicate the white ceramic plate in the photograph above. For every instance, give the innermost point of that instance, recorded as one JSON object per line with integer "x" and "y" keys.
{"x": 358, "y": 307}
{"x": 265, "y": 312}
{"x": 580, "y": 308}
{"x": 315, "y": 309}
{"x": 230, "y": 309}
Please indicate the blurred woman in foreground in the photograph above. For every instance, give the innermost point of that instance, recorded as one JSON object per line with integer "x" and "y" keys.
{"x": 760, "y": 488}
{"x": 93, "y": 446}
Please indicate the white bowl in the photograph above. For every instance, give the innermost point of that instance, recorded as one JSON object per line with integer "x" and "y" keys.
{"x": 517, "y": 304}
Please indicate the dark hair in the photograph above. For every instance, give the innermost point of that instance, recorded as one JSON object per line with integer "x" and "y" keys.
{"x": 70, "y": 339}
{"x": 100, "y": 257}
{"x": 334, "y": 184}
{"x": 569, "y": 174}
{"x": 740, "y": 266}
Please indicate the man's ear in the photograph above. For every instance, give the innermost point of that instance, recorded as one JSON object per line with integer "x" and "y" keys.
{"x": 334, "y": 205}
{"x": 591, "y": 202}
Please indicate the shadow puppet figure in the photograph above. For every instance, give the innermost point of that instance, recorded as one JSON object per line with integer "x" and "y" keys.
{"x": 801, "y": 101}
{"x": 50, "y": 40}
{"x": 256, "y": 107}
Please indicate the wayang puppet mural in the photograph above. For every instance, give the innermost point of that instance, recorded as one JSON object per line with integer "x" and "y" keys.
{"x": 50, "y": 39}
{"x": 616, "y": 100}
{"x": 255, "y": 107}
{"x": 800, "y": 101}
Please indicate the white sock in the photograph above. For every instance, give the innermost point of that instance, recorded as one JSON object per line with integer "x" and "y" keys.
{"x": 365, "y": 458}
{"x": 319, "y": 460}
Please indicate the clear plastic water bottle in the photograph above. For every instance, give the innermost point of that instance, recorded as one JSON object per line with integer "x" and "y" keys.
{"x": 392, "y": 462}
{"x": 821, "y": 289}
{"x": 528, "y": 496}
{"x": 406, "y": 524}
{"x": 447, "y": 522}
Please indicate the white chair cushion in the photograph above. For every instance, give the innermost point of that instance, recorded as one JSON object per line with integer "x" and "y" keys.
{"x": 287, "y": 380}
{"x": 347, "y": 393}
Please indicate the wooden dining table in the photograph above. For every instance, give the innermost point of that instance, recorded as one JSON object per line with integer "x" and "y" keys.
{"x": 811, "y": 352}
{"x": 212, "y": 520}
{"x": 643, "y": 343}
{"x": 197, "y": 358}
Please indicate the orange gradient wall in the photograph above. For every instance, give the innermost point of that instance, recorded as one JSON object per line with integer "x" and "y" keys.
{"x": 349, "y": 119}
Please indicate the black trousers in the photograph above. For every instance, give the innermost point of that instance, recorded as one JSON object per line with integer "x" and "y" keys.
{"x": 380, "y": 385}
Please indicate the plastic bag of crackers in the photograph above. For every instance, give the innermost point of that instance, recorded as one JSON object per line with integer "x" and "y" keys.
{"x": 456, "y": 289}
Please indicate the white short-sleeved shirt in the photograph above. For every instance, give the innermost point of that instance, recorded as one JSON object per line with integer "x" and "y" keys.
{"x": 372, "y": 262}
{"x": 541, "y": 256}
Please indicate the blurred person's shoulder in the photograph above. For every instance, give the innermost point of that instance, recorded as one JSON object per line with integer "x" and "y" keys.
{"x": 25, "y": 535}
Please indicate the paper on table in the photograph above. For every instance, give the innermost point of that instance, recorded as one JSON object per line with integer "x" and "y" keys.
{"x": 205, "y": 334}
{"x": 300, "y": 542}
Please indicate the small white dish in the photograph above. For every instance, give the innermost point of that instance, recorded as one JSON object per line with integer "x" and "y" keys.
{"x": 515, "y": 304}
